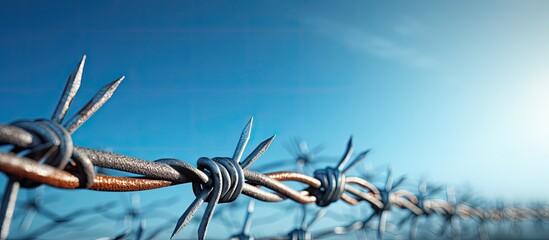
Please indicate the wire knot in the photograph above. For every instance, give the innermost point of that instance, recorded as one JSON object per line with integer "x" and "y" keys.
{"x": 332, "y": 186}
{"x": 55, "y": 149}
{"x": 300, "y": 234}
{"x": 226, "y": 179}
{"x": 332, "y": 180}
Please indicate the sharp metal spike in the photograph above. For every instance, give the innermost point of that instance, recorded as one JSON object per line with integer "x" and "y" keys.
{"x": 303, "y": 217}
{"x": 187, "y": 216}
{"x": 389, "y": 180}
{"x": 382, "y": 225}
{"x": 367, "y": 220}
{"x": 207, "y": 217}
{"x": 422, "y": 187}
{"x": 251, "y": 206}
{"x": 295, "y": 146}
{"x": 71, "y": 88}
{"x": 346, "y": 155}
{"x": 28, "y": 219}
{"x": 141, "y": 229}
{"x": 398, "y": 182}
{"x": 451, "y": 195}
{"x": 92, "y": 106}
{"x": 317, "y": 149}
{"x": 243, "y": 141}
{"x": 405, "y": 219}
{"x": 357, "y": 160}
{"x": 436, "y": 190}
{"x": 258, "y": 151}
{"x": 303, "y": 147}
{"x": 290, "y": 148}
{"x": 123, "y": 235}
{"x": 248, "y": 219}
{"x": 318, "y": 216}
{"x": 8, "y": 206}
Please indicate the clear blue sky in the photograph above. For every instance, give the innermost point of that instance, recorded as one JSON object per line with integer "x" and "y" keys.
{"x": 456, "y": 92}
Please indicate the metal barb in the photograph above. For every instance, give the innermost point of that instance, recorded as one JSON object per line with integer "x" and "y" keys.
{"x": 317, "y": 217}
{"x": 346, "y": 155}
{"x": 8, "y": 206}
{"x": 71, "y": 88}
{"x": 257, "y": 152}
{"x": 92, "y": 106}
{"x": 389, "y": 179}
{"x": 355, "y": 162}
{"x": 248, "y": 220}
{"x": 243, "y": 141}
{"x": 58, "y": 137}
{"x": 216, "y": 180}
{"x": 226, "y": 180}
{"x": 187, "y": 216}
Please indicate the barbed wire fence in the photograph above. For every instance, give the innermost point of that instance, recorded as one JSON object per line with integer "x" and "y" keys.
{"x": 41, "y": 151}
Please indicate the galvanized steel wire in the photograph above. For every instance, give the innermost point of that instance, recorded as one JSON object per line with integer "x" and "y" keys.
{"x": 42, "y": 152}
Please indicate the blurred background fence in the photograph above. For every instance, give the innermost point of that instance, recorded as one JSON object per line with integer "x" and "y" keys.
{"x": 41, "y": 152}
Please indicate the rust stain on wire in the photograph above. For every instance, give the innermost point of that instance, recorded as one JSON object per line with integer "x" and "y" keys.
{"x": 42, "y": 152}
{"x": 126, "y": 184}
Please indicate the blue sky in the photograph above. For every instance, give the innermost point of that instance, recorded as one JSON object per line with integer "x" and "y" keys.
{"x": 456, "y": 92}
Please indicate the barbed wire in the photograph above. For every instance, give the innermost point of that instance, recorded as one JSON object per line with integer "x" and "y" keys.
{"x": 41, "y": 151}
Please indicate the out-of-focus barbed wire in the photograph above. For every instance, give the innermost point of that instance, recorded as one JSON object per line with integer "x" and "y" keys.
{"x": 42, "y": 152}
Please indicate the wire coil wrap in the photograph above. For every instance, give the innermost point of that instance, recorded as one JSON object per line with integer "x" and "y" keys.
{"x": 55, "y": 149}
{"x": 332, "y": 186}
{"x": 227, "y": 179}
{"x": 55, "y": 145}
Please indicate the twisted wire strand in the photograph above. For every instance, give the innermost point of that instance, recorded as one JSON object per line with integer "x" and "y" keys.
{"x": 27, "y": 168}
{"x": 42, "y": 152}
{"x": 169, "y": 172}
{"x": 52, "y": 141}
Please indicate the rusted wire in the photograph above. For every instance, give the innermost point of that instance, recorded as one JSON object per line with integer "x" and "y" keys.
{"x": 29, "y": 169}
{"x": 294, "y": 176}
{"x": 41, "y": 152}
{"x": 24, "y": 168}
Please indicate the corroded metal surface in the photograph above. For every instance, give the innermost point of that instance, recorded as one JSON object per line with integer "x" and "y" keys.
{"x": 42, "y": 152}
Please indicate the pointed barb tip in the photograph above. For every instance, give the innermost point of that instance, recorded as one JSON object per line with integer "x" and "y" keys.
{"x": 258, "y": 151}
{"x": 357, "y": 160}
{"x": 243, "y": 141}
{"x": 68, "y": 94}
{"x": 100, "y": 98}
{"x": 346, "y": 155}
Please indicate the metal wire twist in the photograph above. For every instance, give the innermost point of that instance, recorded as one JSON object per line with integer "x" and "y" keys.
{"x": 214, "y": 180}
